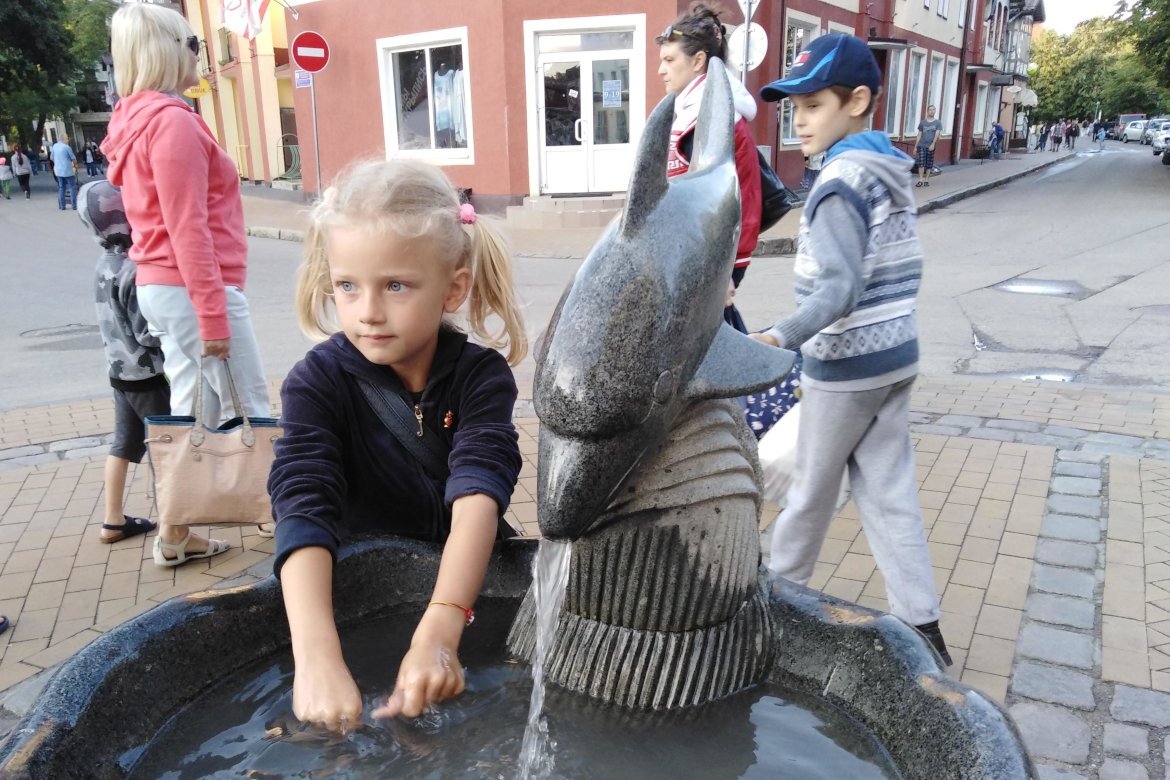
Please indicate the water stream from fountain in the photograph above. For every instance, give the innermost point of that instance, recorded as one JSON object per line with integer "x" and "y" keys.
{"x": 550, "y": 575}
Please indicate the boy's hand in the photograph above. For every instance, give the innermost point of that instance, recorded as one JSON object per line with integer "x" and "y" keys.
{"x": 766, "y": 339}
{"x": 325, "y": 695}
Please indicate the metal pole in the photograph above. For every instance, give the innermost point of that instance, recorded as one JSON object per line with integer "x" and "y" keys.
{"x": 316, "y": 145}
{"x": 747, "y": 32}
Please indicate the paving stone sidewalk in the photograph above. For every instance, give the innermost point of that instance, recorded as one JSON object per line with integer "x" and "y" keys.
{"x": 1048, "y": 515}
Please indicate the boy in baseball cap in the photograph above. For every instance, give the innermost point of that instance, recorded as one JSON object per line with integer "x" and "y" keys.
{"x": 858, "y": 266}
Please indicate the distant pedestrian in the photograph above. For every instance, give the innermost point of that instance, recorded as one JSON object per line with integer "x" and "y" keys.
{"x": 1100, "y": 139}
{"x": 133, "y": 354}
{"x": 65, "y": 171}
{"x": 1056, "y": 136}
{"x": 6, "y": 178}
{"x": 995, "y": 147}
{"x": 21, "y": 168}
{"x": 928, "y": 132}
{"x": 1042, "y": 144}
{"x": 90, "y": 160}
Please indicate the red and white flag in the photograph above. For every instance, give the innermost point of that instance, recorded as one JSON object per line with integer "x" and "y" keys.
{"x": 244, "y": 17}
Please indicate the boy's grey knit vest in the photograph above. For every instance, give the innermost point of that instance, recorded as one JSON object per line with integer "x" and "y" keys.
{"x": 876, "y": 343}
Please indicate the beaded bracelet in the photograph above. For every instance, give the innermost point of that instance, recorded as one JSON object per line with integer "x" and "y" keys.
{"x": 470, "y": 613}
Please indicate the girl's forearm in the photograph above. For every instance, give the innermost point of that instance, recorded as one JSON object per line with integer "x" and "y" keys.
{"x": 306, "y": 581}
{"x": 474, "y": 522}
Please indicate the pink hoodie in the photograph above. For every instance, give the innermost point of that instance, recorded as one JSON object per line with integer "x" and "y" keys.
{"x": 181, "y": 193}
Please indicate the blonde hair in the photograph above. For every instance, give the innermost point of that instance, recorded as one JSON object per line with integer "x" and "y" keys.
{"x": 411, "y": 199}
{"x": 149, "y": 46}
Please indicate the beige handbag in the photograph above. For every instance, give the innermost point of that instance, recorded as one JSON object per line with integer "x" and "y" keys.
{"x": 211, "y": 477}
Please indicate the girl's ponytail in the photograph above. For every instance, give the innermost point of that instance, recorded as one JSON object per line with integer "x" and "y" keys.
{"x": 492, "y": 292}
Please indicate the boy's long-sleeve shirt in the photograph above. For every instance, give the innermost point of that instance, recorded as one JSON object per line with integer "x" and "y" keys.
{"x": 858, "y": 267}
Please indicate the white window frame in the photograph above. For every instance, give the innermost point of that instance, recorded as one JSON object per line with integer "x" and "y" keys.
{"x": 937, "y": 84}
{"x": 944, "y": 8}
{"x": 812, "y": 24}
{"x": 982, "y": 90}
{"x": 895, "y": 92}
{"x": 386, "y": 48}
{"x": 914, "y": 112}
{"x": 950, "y": 92}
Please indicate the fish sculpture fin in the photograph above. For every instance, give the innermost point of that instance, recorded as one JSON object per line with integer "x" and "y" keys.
{"x": 715, "y": 129}
{"x": 736, "y": 365}
{"x": 648, "y": 182}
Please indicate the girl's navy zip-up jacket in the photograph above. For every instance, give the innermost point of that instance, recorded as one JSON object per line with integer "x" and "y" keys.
{"x": 339, "y": 470}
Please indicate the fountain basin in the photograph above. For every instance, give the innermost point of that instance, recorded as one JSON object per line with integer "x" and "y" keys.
{"x": 107, "y": 702}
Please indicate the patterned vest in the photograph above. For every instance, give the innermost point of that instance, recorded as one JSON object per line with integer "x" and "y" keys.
{"x": 876, "y": 343}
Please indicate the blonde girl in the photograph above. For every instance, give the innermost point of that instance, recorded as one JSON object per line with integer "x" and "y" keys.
{"x": 390, "y": 254}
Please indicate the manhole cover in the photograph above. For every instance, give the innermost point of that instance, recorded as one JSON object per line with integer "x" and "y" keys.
{"x": 72, "y": 329}
{"x": 1058, "y": 287}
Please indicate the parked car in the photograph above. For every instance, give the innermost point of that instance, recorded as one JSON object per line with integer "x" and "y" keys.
{"x": 1161, "y": 138}
{"x": 1133, "y": 131}
{"x": 1153, "y": 127}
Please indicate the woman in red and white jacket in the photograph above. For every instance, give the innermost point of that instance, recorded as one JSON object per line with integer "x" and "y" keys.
{"x": 685, "y": 48}
{"x": 181, "y": 193}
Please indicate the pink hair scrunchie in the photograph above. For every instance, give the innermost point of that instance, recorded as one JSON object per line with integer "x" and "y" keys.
{"x": 467, "y": 214}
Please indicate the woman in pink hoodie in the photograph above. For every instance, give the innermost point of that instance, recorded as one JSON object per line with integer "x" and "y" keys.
{"x": 181, "y": 193}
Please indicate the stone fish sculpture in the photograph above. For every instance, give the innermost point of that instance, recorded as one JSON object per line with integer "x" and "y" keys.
{"x": 641, "y": 464}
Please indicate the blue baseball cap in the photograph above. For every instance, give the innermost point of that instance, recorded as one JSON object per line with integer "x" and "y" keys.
{"x": 829, "y": 61}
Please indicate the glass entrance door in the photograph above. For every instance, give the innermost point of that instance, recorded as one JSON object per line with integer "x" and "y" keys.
{"x": 584, "y": 112}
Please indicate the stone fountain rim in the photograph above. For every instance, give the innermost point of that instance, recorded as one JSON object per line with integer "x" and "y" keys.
{"x": 402, "y": 571}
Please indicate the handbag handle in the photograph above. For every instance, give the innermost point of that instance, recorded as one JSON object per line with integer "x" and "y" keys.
{"x": 248, "y": 436}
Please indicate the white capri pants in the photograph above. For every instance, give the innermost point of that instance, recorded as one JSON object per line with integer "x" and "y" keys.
{"x": 172, "y": 320}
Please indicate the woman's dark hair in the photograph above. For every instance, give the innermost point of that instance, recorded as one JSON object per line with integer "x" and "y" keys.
{"x": 698, "y": 30}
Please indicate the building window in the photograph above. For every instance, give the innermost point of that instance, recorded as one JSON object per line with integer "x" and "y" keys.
{"x": 894, "y": 90}
{"x": 944, "y": 8}
{"x": 951, "y": 86}
{"x": 914, "y": 98}
{"x": 936, "y": 86}
{"x": 980, "y": 130}
{"x": 426, "y": 101}
{"x": 797, "y": 36}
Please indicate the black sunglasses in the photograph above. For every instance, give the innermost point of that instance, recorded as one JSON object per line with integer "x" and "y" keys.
{"x": 192, "y": 43}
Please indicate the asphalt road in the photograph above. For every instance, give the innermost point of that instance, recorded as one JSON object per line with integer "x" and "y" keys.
{"x": 1097, "y": 227}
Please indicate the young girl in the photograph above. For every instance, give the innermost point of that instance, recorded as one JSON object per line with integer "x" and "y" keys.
{"x": 389, "y": 253}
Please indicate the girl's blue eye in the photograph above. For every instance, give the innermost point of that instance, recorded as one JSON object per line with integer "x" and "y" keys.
{"x": 345, "y": 286}
{"x": 395, "y": 287}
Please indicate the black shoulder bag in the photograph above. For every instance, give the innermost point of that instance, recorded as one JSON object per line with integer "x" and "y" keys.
{"x": 776, "y": 200}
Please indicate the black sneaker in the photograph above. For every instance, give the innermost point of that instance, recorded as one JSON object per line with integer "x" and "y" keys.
{"x": 931, "y": 632}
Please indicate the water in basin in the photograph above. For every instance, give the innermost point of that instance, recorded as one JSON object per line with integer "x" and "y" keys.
{"x": 242, "y": 726}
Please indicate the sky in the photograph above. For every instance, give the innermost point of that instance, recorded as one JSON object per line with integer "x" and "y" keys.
{"x": 1063, "y": 15}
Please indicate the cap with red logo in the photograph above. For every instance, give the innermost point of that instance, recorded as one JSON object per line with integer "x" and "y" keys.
{"x": 828, "y": 61}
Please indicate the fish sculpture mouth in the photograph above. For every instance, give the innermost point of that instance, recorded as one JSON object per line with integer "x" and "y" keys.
{"x": 638, "y": 334}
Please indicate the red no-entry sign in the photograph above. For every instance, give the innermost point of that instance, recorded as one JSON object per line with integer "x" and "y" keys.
{"x": 310, "y": 51}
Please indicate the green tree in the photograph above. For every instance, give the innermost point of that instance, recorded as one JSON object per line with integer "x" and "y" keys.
{"x": 1148, "y": 23}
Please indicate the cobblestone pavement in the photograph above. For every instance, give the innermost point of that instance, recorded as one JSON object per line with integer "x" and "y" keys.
{"x": 1047, "y": 508}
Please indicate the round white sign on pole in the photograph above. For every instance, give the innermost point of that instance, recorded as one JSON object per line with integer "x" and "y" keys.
{"x": 749, "y": 8}
{"x": 757, "y": 46}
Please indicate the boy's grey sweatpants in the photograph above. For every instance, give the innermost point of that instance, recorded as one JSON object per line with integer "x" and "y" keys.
{"x": 867, "y": 431}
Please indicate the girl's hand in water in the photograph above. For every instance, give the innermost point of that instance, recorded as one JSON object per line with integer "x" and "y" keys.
{"x": 325, "y": 695}
{"x": 430, "y": 670}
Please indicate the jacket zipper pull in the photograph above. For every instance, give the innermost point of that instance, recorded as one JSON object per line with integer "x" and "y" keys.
{"x": 418, "y": 416}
